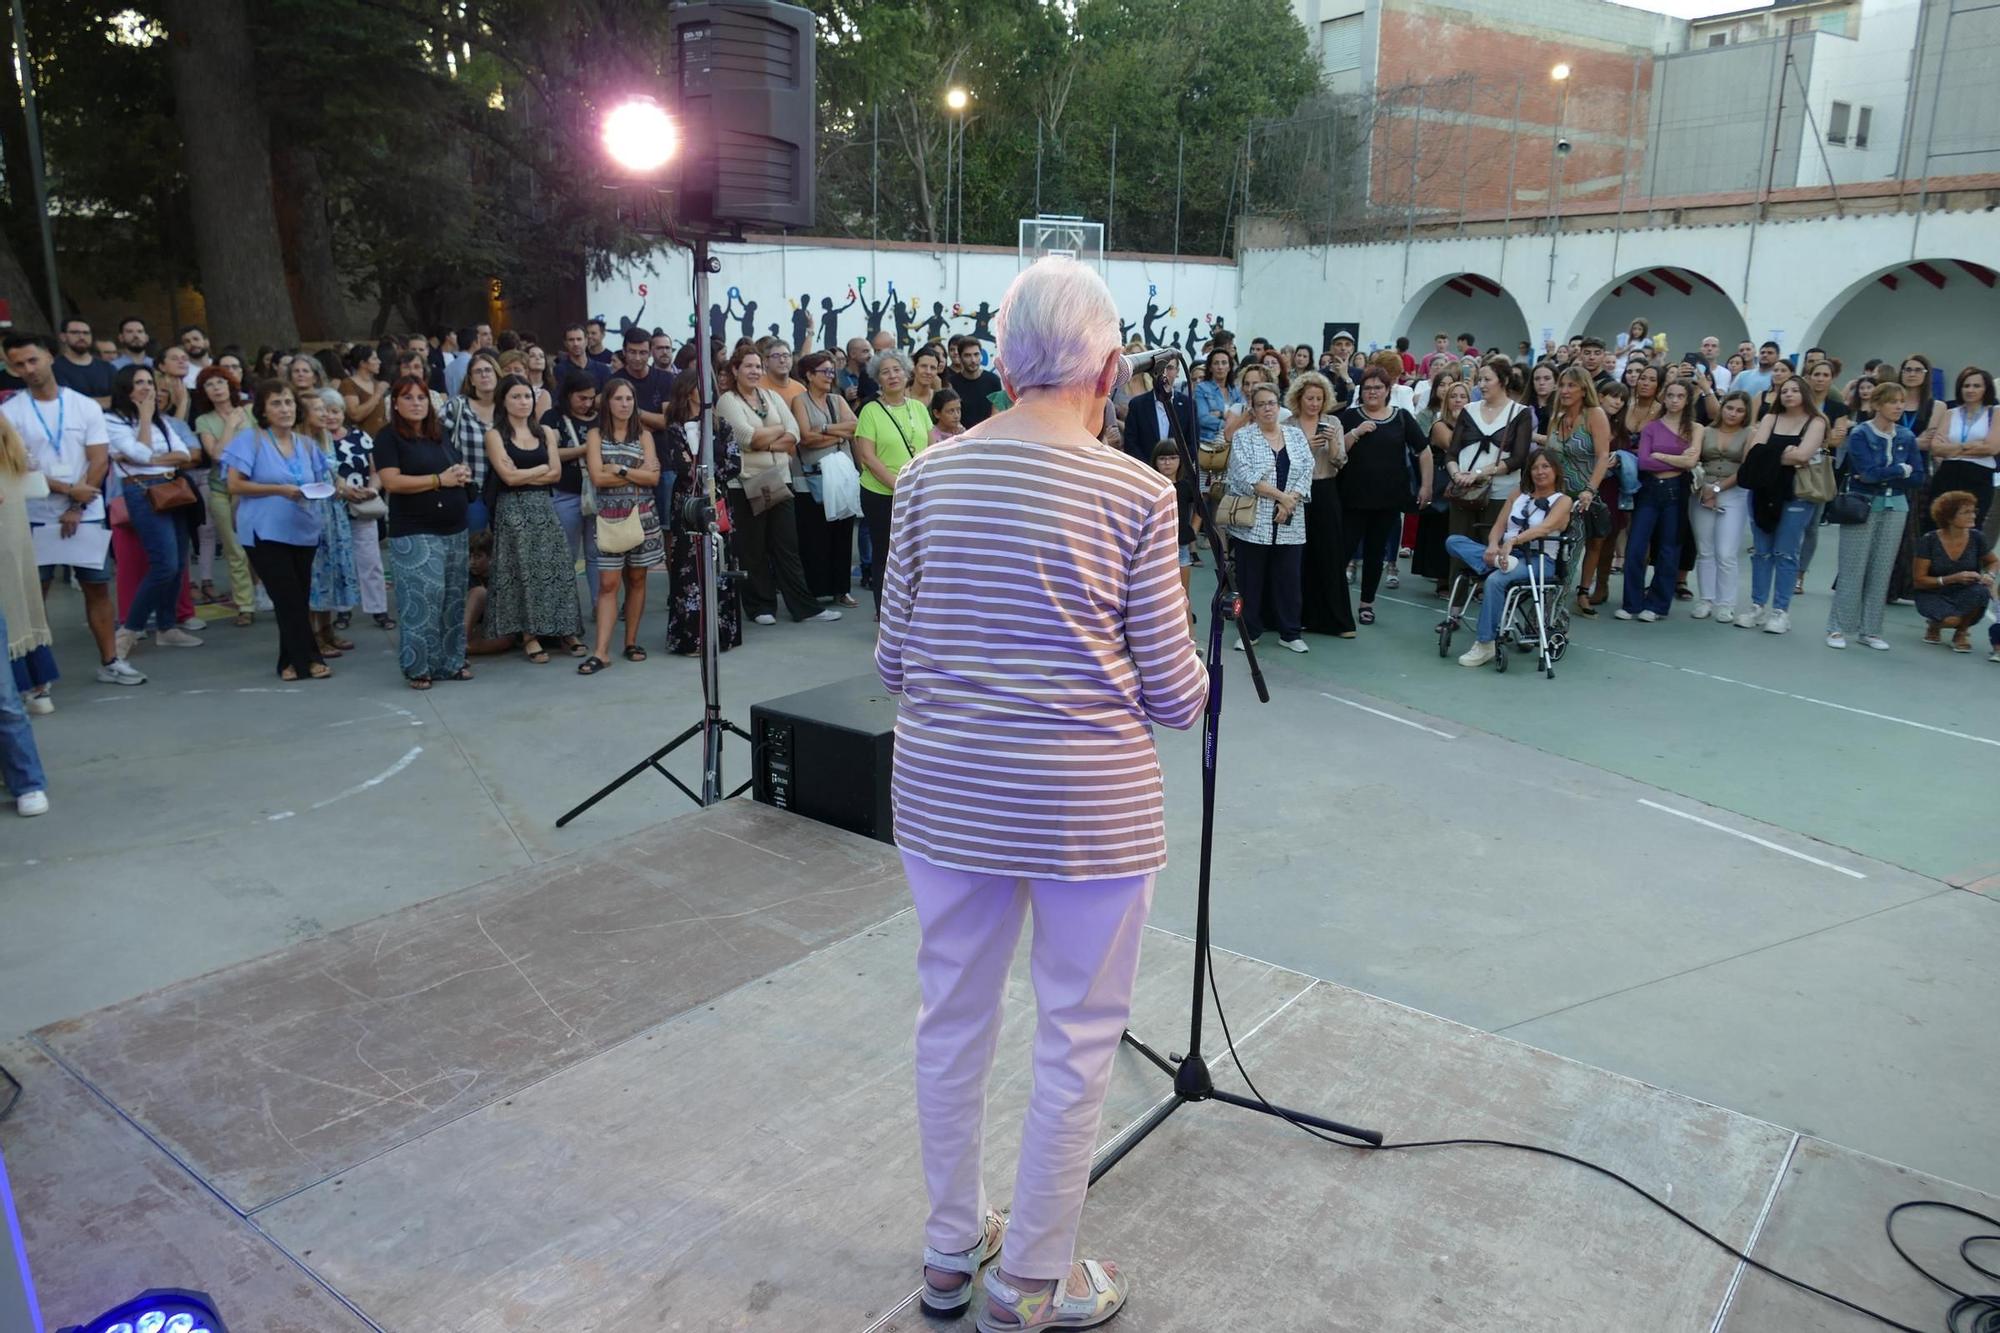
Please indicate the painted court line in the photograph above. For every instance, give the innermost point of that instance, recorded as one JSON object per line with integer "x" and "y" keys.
{"x": 1762, "y": 689}
{"x": 1403, "y": 721}
{"x": 1750, "y": 837}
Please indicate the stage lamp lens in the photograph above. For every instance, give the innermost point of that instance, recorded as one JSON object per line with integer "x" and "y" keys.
{"x": 639, "y": 135}
{"x": 180, "y": 1323}
{"x": 152, "y": 1321}
{"x": 119, "y": 1328}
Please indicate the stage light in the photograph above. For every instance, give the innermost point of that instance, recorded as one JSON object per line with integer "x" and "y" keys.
{"x": 165, "y": 1310}
{"x": 639, "y": 135}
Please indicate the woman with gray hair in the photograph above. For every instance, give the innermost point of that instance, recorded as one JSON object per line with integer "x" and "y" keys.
{"x": 893, "y": 429}
{"x": 1034, "y": 626}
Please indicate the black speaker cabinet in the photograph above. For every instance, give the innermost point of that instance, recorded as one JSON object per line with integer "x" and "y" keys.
{"x": 826, "y": 753}
{"x": 746, "y": 103}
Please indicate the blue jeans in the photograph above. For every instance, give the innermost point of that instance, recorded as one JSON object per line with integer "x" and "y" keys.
{"x": 1656, "y": 527}
{"x": 20, "y": 761}
{"x": 165, "y": 541}
{"x": 1472, "y": 552}
{"x": 1774, "y": 556}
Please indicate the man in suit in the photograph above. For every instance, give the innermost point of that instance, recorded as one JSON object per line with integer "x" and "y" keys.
{"x": 1146, "y": 419}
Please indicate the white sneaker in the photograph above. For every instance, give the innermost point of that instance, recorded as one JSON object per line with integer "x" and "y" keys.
{"x": 828, "y": 614}
{"x": 1876, "y": 641}
{"x": 1621, "y": 614}
{"x": 1239, "y": 642}
{"x": 32, "y": 804}
{"x": 1778, "y": 622}
{"x": 39, "y": 704}
{"x": 123, "y": 641}
{"x": 1835, "y": 639}
{"x": 1649, "y": 616}
{"x": 1993, "y": 656}
{"x": 264, "y": 599}
{"x": 766, "y": 618}
{"x": 1703, "y": 610}
{"x": 1478, "y": 655}
{"x": 118, "y": 671}
{"x": 176, "y": 638}
{"x": 1296, "y": 645}
{"x": 193, "y": 625}
{"x": 1725, "y": 615}
{"x": 1752, "y": 618}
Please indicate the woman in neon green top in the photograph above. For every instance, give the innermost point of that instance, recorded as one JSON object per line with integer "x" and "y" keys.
{"x": 890, "y": 431}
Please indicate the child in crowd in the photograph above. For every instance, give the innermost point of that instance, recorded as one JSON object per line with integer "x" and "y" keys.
{"x": 1167, "y": 461}
{"x": 947, "y": 415}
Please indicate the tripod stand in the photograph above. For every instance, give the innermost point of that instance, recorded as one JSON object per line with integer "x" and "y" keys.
{"x": 702, "y": 515}
{"x": 1190, "y": 1073}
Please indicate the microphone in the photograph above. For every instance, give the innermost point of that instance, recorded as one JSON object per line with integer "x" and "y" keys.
{"x": 1146, "y": 362}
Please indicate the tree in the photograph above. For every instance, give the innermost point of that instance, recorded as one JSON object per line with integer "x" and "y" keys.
{"x": 235, "y": 219}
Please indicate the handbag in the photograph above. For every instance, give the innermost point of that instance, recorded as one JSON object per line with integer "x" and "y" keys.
{"x": 1849, "y": 508}
{"x": 168, "y": 493}
{"x": 767, "y": 489}
{"x": 1240, "y": 511}
{"x": 1815, "y": 481}
{"x": 1213, "y": 455}
{"x": 1597, "y": 521}
{"x": 615, "y": 536}
{"x": 839, "y": 492}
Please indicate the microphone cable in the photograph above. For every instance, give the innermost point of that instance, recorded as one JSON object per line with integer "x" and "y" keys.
{"x": 1969, "y": 1313}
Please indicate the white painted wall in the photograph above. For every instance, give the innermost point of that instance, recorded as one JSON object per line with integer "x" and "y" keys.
{"x": 1871, "y": 71}
{"x": 1685, "y": 319}
{"x": 1957, "y": 325}
{"x": 1791, "y": 276}
{"x": 655, "y": 291}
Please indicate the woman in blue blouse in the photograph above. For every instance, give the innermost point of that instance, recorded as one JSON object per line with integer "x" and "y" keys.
{"x": 1214, "y": 396}
{"x": 269, "y": 466}
{"x": 1882, "y": 461}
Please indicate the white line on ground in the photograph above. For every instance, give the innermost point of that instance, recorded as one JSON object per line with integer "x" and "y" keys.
{"x": 376, "y": 781}
{"x": 1749, "y": 837}
{"x": 1404, "y": 721}
{"x": 1750, "y": 1245}
{"x": 1762, "y": 689}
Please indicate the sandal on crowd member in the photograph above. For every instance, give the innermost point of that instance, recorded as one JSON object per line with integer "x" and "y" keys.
{"x": 1961, "y": 642}
{"x": 343, "y": 620}
{"x": 591, "y": 665}
{"x": 319, "y": 671}
{"x": 1933, "y": 633}
{"x": 335, "y": 641}
{"x": 1056, "y": 1306}
{"x": 535, "y": 652}
{"x": 1366, "y": 615}
{"x": 383, "y": 620}
{"x": 634, "y": 653}
{"x": 209, "y": 596}
{"x": 418, "y": 682}
{"x": 244, "y": 620}
{"x": 573, "y": 646}
{"x": 952, "y": 1298}
{"x": 463, "y": 673}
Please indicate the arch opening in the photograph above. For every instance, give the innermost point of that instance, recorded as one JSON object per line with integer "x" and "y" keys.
{"x": 1948, "y": 309}
{"x": 1463, "y": 303}
{"x": 1682, "y": 303}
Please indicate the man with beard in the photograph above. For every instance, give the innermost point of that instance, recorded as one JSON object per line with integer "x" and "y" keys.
{"x": 79, "y": 367}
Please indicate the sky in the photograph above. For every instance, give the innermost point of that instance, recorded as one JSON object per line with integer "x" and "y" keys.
{"x": 1690, "y": 9}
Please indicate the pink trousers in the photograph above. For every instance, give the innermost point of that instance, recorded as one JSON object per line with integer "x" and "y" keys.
{"x": 1084, "y": 961}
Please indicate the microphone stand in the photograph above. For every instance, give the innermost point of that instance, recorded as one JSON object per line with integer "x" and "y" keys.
{"x": 1190, "y": 1072}
{"x": 704, "y": 524}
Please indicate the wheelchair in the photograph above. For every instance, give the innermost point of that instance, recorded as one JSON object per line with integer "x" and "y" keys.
{"x": 1534, "y": 620}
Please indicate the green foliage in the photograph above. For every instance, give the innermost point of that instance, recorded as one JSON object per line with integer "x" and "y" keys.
{"x": 1159, "y": 70}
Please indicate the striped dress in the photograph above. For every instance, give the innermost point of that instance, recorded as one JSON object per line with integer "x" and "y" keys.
{"x": 1034, "y": 625}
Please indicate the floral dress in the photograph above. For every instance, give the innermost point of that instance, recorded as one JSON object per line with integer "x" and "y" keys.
{"x": 684, "y": 563}
{"x": 334, "y": 585}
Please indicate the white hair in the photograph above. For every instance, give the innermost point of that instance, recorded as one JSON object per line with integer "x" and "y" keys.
{"x": 1057, "y": 326}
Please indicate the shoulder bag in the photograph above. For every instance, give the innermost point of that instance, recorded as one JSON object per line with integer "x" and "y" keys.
{"x": 167, "y": 493}
{"x": 1814, "y": 482}
{"x": 1847, "y": 508}
{"x": 1240, "y": 511}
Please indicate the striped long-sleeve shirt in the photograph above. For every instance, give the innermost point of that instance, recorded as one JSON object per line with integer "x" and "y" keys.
{"x": 1034, "y": 624}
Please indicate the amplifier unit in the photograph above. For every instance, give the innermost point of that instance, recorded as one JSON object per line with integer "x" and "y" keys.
{"x": 826, "y": 754}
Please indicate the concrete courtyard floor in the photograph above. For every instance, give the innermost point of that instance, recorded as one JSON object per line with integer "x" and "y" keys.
{"x": 1735, "y": 865}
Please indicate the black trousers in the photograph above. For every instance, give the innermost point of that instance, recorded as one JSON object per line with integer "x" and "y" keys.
{"x": 286, "y": 571}
{"x": 768, "y": 546}
{"x": 1372, "y": 528}
{"x": 826, "y": 549}
{"x": 1267, "y": 578}
{"x": 876, "y": 511}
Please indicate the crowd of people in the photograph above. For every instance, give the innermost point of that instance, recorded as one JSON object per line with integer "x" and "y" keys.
{"x": 450, "y": 487}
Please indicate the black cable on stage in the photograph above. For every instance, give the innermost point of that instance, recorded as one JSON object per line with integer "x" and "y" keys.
{"x": 13, "y": 1097}
{"x": 1983, "y": 1312}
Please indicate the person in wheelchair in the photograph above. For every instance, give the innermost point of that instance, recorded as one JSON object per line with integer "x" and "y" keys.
{"x": 1528, "y": 535}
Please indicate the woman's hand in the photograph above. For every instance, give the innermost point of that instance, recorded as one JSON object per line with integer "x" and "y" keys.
{"x": 1367, "y": 427}
{"x": 1423, "y": 497}
{"x": 295, "y": 494}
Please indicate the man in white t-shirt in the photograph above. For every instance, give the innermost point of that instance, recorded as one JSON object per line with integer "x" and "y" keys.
{"x": 68, "y": 445}
{"x": 1711, "y": 355}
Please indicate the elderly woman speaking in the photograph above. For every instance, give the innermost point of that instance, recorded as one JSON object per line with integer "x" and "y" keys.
{"x": 1034, "y": 625}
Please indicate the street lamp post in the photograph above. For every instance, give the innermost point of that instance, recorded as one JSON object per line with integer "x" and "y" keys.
{"x": 957, "y": 99}
{"x": 1558, "y": 150}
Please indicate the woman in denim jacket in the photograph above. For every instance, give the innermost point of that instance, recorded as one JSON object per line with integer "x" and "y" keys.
{"x": 1882, "y": 460}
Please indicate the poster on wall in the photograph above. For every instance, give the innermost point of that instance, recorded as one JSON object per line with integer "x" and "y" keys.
{"x": 826, "y": 296}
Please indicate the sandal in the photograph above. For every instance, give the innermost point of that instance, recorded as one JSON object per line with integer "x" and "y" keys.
{"x": 244, "y": 620}
{"x": 1960, "y": 643}
{"x": 1393, "y": 580}
{"x": 536, "y": 654}
{"x": 1932, "y": 635}
{"x": 953, "y": 1299}
{"x": 846, "y": 599}
{"x": 574, "y": 647}
{"x": 209, "y": 596}
{"x": 1584, "y": 608}
{"x": 319, "y": 671}
{"x": 591, "y": 665}
{"x": 1053, "y": 1309}
{"x": 327, "y": 648}
{"x": 343, "y": 621}
{"x": 463, "y": 673}
{"x": 1366, "y": 615}
{"x": 288, "y": 675}
{"x": 418, "y": 682}
{"x": 383, "y": 620}
{"x": 634, "y": 653}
